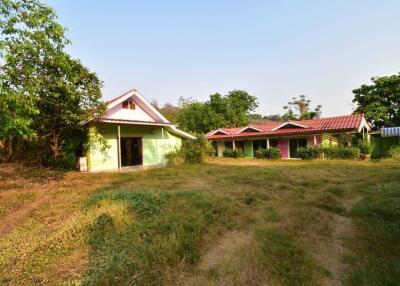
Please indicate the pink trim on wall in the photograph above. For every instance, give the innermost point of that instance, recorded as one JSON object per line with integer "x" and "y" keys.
{"x": 283, "y": 145}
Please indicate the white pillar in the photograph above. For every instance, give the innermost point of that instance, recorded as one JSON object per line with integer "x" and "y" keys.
{"x": 233, "y": 144}
{"x": 119, "y": 147}
{"x": 315, "y": 140}
{"x": 267, "y": 143}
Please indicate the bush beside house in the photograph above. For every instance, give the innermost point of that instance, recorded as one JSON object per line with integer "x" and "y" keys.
{"x": 271, "y": 153}
{"x": 334, "y": 152}
{"x": 232, "y": 153}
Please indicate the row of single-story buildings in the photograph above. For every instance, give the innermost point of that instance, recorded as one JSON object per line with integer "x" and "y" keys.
{"x": 289, "y": 136}
{"x": 139, "y": 135}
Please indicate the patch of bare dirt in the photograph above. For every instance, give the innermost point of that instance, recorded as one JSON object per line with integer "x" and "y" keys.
{"x": 329, "y": 252}
{"x": 230, "y": 261}
{"x": 16, "y": 216}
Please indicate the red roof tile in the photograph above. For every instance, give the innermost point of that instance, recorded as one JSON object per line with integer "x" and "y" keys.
{"x": 329, "y": 124}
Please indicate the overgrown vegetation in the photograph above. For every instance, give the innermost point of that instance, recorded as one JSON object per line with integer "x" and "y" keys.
{"x": 191, "y": 151}
{"x": 271, "y": 153}
{"x": 45, "y": 93}
{"x": 331, "y": 153}
{"x": 232, "y": 153}
{"x": 227, "y": 222}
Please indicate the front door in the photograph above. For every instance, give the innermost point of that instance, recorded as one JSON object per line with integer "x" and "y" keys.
{"x": 131, "y": 152}
{"x": 293, "y": 148}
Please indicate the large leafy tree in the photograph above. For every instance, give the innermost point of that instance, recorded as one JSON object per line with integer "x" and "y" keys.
{"x": 239, "y": 104}
{"x": 198, "y": 117}
{"x": 230, "y": 110}
{"x": 299, "y": 109}
{"x": 44, "y": 92}
{"x": 380, "y": 101}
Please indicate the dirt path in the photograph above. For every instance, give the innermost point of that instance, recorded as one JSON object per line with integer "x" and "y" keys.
{"x": 331, "y": 252}
{"x": 15, "y": 217}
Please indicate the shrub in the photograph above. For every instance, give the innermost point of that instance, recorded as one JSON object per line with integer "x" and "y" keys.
{"x": 271, "y": 153}
{"x": 192, "y": 151}
{"x": 232, "y": 153}
{"x": 395, "y": 152}
{"x": 307, "y": 153}
{"x": 365, "y": 147}
{"x": 337, "y": 152}
{"x": 175, "y": 157}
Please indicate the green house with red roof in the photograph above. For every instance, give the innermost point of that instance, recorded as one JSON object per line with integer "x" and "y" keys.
{"x": 288, "y": 136}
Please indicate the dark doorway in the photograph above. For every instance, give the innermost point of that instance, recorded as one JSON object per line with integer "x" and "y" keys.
{"x": 294, "y": 144}
{"x": 239, "y": 145}
{"x": 131, "y": 152}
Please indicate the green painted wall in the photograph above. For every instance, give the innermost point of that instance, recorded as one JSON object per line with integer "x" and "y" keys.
{"x": 156, "y": 143}
{"x": 329, "y": 140}
{"x": 248, "y": 148}
{"x": 381, "y": 145}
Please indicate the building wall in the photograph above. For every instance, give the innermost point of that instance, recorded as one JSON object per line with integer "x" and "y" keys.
{"x": 283, "y": 145}
{"x": 381, "y": 145}
{"x": 156, "y": 142}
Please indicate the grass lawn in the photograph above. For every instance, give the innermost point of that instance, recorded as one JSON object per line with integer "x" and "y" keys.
{"x": 227, "y": 222}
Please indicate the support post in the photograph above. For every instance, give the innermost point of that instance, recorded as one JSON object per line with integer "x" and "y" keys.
{"x": 233, "y": 145}
{"x": 315, "y": 140}
{"x": 267, "y": 143}
{"x": 119, "y": 148}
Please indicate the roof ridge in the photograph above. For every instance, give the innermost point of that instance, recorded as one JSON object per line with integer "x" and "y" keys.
{"x": 119, "y": 96}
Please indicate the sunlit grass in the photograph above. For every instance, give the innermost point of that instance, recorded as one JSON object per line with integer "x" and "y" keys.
{"x": 242, "y": 222}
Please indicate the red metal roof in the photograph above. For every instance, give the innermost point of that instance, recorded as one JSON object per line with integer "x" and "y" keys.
{"x": 319, "y": 125}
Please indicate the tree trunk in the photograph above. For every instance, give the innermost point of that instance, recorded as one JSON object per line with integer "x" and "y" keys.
{"x": 55, "y": 144}
{"x": 9, "y": 148}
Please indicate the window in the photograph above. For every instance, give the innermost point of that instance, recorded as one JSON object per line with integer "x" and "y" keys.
{"x": 129, "y": 104}
{"x": 259, "y": 144}
{"x": 229, "y": 144}
{"x": 273, "y": 143}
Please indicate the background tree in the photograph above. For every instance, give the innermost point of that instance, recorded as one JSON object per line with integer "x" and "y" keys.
{"x": 299, "y": 109}
{"x": 231, "y": 110}
{"x": 44, "y": 92}
{"x": 239, "y": 104}
{"x": 380, "y": 101}
{"x": 198, "y": 117}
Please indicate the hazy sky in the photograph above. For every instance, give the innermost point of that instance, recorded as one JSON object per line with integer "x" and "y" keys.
{"x": 273, "y": 49}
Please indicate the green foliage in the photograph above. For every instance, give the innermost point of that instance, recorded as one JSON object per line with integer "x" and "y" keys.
{"x": 198, "y": 117}
{"x": 232, "y": 153}
{"x": 380, "y": 101}
{"x": 95, "y": 140}
{"x": 338, "y": 152}
{"x": 299, "y": 109}
{"x": 231, "y": 110}
{"x": 192, "y": 151}
{"x": 271, "y": 153}
{"x": 308, "y": 153}
{"x": 395, "y": 152}
{"x": 45, "y": 92}
{"x": 285, "y": 260}
{"x": 365, "y": 147}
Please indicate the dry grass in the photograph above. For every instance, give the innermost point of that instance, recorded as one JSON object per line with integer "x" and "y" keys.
{"x": 226, "y": 222}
